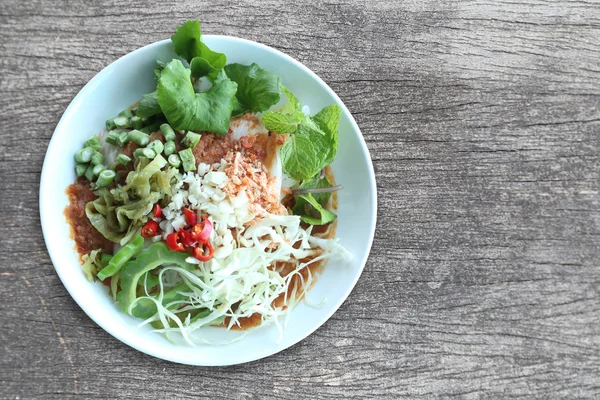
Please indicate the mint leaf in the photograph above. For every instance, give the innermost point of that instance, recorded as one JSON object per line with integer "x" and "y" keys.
{"x": 280, "y": 122}
{"x": 258, "y": 89}
{"x": 294, "y": 106}
{"x": 187, "y": 110}
{"x": 311, "y": 212}
{"x": 328, "y": 120}
{"x": 317, "y": 183}
{"x": 148, "y": 106}
{"x": 304, "y": 153}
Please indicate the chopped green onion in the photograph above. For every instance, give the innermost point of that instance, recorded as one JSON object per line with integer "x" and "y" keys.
{"x": 84, "y": 155}
{"x": 170, "y": 148}
{"x": 93, "y": 142}
{"x": 144, "y": 152}
{"x": 123, "y": 139}
{"x": 126, "y": 113}
{"x": 106, "y": 177}
{"x": 138, "y": 137}
{"x": 123, "y": 159}
{"x": 167, "y": 132}
{"x": 97, "y": 169}
{"x": 188, "y": 160}
{"x": 157, "y": 146}
{"x": 174, "y": 160}
{"x": 191, "y": 139}
{"x": 136, "y": 122}
{"x": 121, "y": 122}
{"x": 89, "y": 173}
{"x": 112, "y": 138}
{"x": 97, "y": 158}
{"x": 80, "y": 169}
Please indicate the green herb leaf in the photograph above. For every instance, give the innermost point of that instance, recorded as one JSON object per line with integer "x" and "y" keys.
{"x": 304, "y": 153}
{"x": 148, "y": 106}
{"x": 258, "y": 89}
{"x": 317, "y": 183}
{"x": 311, "y": 212}
{"x": 328, "y": 120}
{"x": 187, "y": 110}
{"x": 280, "y": 122}
{"x": 201, "y": 67}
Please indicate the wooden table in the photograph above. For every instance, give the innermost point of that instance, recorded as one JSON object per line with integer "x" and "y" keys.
{"x": 483, "y": 123}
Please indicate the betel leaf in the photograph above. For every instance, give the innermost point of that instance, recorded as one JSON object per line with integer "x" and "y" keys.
{"x": 186, "y": 110}
{"x": 188, "y": 44}
{"x": 201, "y": 67}
{"x": 311, "y": 212}
{"x": 148, "y": 106}
{"x": 258, "y": 89}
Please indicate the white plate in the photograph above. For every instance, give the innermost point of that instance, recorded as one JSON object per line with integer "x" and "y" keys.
{"x": 121, "y": 84}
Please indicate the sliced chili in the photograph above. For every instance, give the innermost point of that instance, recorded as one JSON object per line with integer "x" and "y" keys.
{"x": 174, "y": 242}
{"x": 190, "y": 216}
{"x": 201, "y": 231}
{"x": 204, "y": 251}
{"x": 186, "y": 238}
{"x": 150, "y": 229}
{"x": 157, "y": 210}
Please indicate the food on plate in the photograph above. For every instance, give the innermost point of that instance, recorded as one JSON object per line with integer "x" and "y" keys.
{"x": 211, "y": 201}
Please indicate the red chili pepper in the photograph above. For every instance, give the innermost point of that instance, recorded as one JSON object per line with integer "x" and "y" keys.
{"x": 174, "y": 242}
{"x": 157, "y": 210}
{"x": 190, "y": 216}
{"x": 186, "y": 238}
{"x": 150, "y": 229}
{"x": 201, "y": 231}
{"x": 201, "y": 254}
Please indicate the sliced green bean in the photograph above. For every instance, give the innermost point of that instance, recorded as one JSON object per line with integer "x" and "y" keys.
{"x": 136, "y": 122}
{"x": 190, "y": 140}
{"x": 110, "y": 124}
{"x": 97, "y": 158}
{"x": 126, "y": 113}
{"x": 138, "y": 137}
{"x": 97, "y": 169}
{"x": 150, "y": 128}
{"x": 188, "y": 160}
{"x": 174, "y": 160}
{"x": 93, "y": 142}
{"x": 105, "y": 177}
{"x": 121, "y": 122}
{"x": 84, "y": 155}
{"x": 170, "y": 148}
{"x": 123, "y": 139}
{"x": 112, "y": 138}
{"x": 126, "y": 253}
{"x": 157, "y": 146}
{"x": 123, "y": 159}
{"x": 144, "y": 152}
{"x": 89, "y": 173}
{"x": 80, "y": 169}
{"x": 167, "y": 132}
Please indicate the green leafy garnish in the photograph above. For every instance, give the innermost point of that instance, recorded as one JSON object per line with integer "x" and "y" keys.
{"x": 187, "y": 110}
{"x": 318, "y": 183}
{"x": 188, "y": 44}
{"x": 148, "y": 106}
{"x": 311, "y": 211}
{"x": 258, "y": 89}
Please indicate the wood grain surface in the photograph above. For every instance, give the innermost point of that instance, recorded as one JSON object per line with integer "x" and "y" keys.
{"x": 483, "y": 122}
